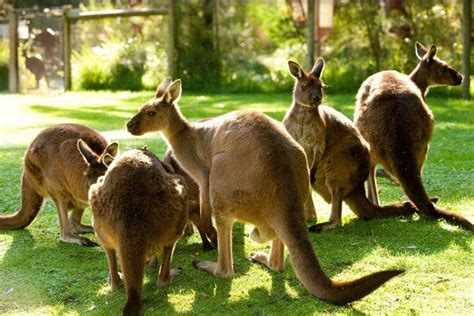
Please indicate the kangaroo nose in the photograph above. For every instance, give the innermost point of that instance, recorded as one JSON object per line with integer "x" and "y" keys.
{"x": 130, "y": 125}
{"x": 315, "y": 98}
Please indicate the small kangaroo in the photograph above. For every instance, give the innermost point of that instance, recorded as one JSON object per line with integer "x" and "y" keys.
{"x": 337, "y": 153}
{"x": 392, "y": 115}
{"x": 53, "y": 167}
{"x": 193, "y": 194}
{"x": 139, "y": 211}
{"x": 250, "y": 169}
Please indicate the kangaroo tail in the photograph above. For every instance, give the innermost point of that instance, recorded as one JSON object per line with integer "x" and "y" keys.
{"x": 410, "y": 179}
{"x": 309, "y": 271}
{"x": 364, "y": 208}
{"x": 31, "y": 202}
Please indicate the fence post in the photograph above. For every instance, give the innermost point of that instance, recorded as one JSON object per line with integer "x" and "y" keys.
{"x": 67, "y": 49}
{"x": 13, "y": 74}
{"x": 310, "y": 34}
{"x": 466, "y": 51}
{"x": 171, "y": 39}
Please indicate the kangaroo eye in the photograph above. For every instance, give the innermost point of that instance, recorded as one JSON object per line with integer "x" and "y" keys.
{"x": 151, "y": 113}
{"x": 304, "y": 86}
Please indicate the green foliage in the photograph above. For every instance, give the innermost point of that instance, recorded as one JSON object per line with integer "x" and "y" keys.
{"x": 112, "y": 67}
{"x": 42, "y": 275}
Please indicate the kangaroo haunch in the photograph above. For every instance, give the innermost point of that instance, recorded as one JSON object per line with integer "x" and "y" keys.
{"x": 392, "y": 115}
{"x": 53, "y": 167}
{"x": 337, "y": 153}
{"x": 250, "y": 169}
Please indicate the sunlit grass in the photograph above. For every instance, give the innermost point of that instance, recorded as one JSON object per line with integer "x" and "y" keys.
{"x": 41, "y": 275}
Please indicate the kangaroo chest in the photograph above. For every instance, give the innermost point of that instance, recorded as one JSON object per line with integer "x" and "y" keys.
{"x": 307, "y": 128}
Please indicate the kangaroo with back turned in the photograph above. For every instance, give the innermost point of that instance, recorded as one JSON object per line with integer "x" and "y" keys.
{"x": 269, "y": 192}
{"x": 140, "y": 211}
{"x": 392, "y": 115}
{"x": 337, "y": 153}
{"x": 53, "y": 167}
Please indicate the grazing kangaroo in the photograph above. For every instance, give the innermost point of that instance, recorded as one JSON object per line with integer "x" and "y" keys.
{"x": 337, "y": 153}
{"x": 250, "y": 169}
{"x": 139, "y": 211}
{"x": 52, "y": 167}
{"x": 392, "y": 115}
{"x": 193, "y": 195}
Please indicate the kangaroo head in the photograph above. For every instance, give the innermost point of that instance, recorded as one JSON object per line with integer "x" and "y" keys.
{"x": 436, "y": 71}
{"x": 308, "y": 90}
{"x": 96, "y": 164}
{"x": 155, "y": 115}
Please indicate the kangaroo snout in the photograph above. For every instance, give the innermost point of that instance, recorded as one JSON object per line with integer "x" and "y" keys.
{"x": 132, "y": 127}
{"x": 458, "y": 79}
{"x": 315, "y": 99}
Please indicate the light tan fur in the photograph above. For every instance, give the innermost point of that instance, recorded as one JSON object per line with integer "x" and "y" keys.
{"x": 249, "y": 169}
{"x": 337, "y": 153}
{"x": 53, "y": 167}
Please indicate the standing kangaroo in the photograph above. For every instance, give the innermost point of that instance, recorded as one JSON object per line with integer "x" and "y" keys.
{"x": 193, "y": 194}
{"x": 53, "y": 167}
{"x": 337, "y": 153}
{"x": 392, "y": 115}
{"x": 250, "y": 169}
{"x": 139, "y": 211}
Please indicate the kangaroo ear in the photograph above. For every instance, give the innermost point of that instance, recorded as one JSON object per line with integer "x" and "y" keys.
{"x": 173, "y": 92}
{"x": 86, "y": 152}
{"x": 107, "y": 160}
{"x": 432, "y": 52}
{"x": 420, "y": 50}
{"x": 295, "y": 69}
{"x": 112, "y": 149}
{"x": 162, "y": 87}
{"x": 318, "y": 67}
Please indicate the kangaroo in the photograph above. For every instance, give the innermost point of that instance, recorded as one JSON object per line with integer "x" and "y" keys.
{"x": 392, "y": 115}
{"x": 337, "y": 153}
{"x": 193, "y": 195}
{"x": 250, "y": 169}
{"x": 52, "y": 167}
{"x": 139, "y": 211}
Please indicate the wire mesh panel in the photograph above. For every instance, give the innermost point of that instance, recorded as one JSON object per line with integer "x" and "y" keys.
{"x": 41, "y": 60}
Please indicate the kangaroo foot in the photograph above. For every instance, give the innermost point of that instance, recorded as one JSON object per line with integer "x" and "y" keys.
{"x": 264, "y": 259}
{"x": 318, "y": 228}
{"x": 207, "y": 246}
{"x": 434, "y": 199}
{"x": 78, "y": 228}
{"x": 211, "y": 267}
{"x": 70, "y": 238}
{"x": 165, "y": 282}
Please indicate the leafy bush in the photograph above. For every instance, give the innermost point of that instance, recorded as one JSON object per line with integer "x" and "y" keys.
{"x": 111, "y": 67}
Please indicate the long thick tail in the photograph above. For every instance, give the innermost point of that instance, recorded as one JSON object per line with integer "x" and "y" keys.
{"x": 364, "y": 208}
{"x": 309, "y": 271}
{"x": 410, "y": 180}
{"x": 31, "y": 202}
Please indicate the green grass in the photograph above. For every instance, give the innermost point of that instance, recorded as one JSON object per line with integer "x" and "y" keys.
{"x": 41, "y": 275}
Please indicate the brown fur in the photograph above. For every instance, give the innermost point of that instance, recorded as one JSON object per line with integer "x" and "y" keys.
{"x": 139, "y": 211}
{"x": 193, "y": 195}
{"x": 393, "y": 117}
{"x": 337, "y": 153}
{"x": 250, "y": 169}
{"x": 53, "y": 167}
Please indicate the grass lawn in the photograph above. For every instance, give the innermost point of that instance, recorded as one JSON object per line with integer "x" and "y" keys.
{"x": 41, "y": 275}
